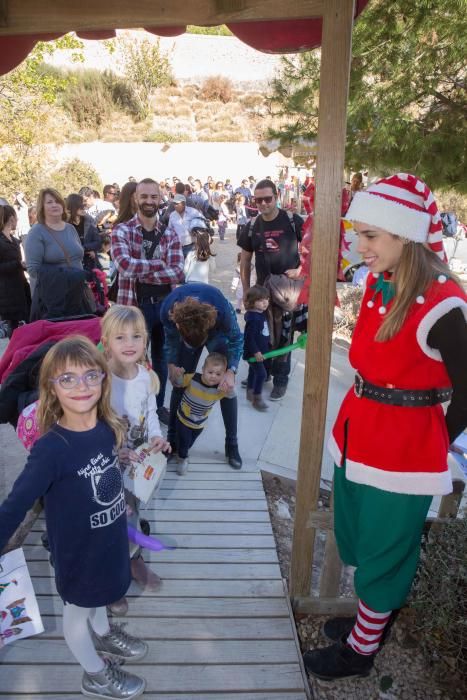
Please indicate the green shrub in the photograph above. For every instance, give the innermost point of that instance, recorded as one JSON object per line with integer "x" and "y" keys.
{"x": 123, "y": 94}
{"x": 166, "y": 137}
{"x": 440, "y": 597}
{"x": 74, "y": 174}
{"x": 87, "y": 98}
{"x": 219, "y": 30}
{"x": 217, "y": 88}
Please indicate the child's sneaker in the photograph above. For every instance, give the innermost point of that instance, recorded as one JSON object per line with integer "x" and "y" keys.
{"x": 182, "y": 466}
{"x": 112, "y": 682}
{"x": 118, "y": 645}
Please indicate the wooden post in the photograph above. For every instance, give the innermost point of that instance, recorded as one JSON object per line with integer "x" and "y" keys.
{"x": 334, "y": 82}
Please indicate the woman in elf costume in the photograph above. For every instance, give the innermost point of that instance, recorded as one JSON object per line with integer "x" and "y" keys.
{"x": 391, "y": 437}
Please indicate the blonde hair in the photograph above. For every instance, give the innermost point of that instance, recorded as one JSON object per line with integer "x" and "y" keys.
{"x": 417, "y": 268}
{"x": 40, "y": 203}
{"x": 115, "y": 320}
{"x": 77, "y": 350}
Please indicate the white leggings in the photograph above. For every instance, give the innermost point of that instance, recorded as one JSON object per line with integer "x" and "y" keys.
{"x": 78, "y": 636}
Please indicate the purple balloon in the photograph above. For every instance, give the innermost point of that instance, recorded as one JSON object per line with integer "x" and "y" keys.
{"x": 145, "y": 541}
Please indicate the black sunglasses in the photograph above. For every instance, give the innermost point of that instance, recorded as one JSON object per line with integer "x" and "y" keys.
{"x": 266, "y": 200}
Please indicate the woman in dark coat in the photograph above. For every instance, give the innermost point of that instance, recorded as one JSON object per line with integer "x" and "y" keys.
{"x": 86, "y": 229}
{"x": 15, "y": 295}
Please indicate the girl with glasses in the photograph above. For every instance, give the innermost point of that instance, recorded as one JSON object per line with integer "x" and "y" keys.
{"x": 74, "y": 466}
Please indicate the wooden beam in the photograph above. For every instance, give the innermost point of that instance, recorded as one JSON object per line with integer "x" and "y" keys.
{"x": 334, "y": 82}
{"x": 325, "y": 606}
{"x": 61, "y": 16}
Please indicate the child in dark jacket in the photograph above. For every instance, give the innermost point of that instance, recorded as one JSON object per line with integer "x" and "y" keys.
{"x": 256, "y": 343}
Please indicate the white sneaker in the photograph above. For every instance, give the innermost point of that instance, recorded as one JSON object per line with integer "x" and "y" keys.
{"x": 182, "y": 466}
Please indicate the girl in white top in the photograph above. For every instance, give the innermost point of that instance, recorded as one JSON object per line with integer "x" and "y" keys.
{"x": 133, "y": 398}
{"x": 200, "y": 262}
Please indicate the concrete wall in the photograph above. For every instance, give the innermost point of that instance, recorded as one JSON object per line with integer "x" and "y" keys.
{"x": 115, "y": 162}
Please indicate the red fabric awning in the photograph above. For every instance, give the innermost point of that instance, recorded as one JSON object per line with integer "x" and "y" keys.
{"x": 276, "y": 36}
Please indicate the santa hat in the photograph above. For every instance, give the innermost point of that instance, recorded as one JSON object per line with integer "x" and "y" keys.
{"x": 403, "y": 205}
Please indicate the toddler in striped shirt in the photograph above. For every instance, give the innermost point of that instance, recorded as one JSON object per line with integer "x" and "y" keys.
{"x": 201, "y": 393}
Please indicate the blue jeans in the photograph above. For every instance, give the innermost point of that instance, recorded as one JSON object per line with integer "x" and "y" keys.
{"x": 256, "y": 375}
{"x": 152, "y": 316}
{"x": 280, "y": 369}
{"x": 185, "y": 438}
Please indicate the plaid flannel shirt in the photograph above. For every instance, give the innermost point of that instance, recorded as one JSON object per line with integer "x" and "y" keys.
{"x": 128, "y": 257}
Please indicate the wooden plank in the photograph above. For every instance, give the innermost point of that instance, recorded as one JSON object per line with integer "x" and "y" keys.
{"x": 213, "y": 541}
{"x": 212, "y": 515}
{"x": 174, "y": 570}
{"x": 195, "y": 528}
{"x": 229, "y": 494}
{"x": 174, "y": 679}
{"x": 41, "y": 651}
{"x": 188, "y": 607}
{"x": 270, "y": 695}
{"x": 180, "y": 484}
{"x": 203, "y": 467}
{"x": 29, "y": 16}
{"x": 193, "y": 476}
{"x": 207, "y": 504}
{"x": 194, "y": 628}
{"x": 325, "y": 606}
{"x": 334, "y": 82}
{"x": 194, "y": 556}
{"x": 187, "y": 588}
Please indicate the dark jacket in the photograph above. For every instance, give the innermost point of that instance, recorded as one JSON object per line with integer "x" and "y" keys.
{"x": 60, "y": 292}
{"x": 20, "y": 388}
{"x": 15, "y": 294}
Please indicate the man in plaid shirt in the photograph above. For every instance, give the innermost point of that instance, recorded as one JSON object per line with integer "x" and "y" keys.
{"x": 150, "y": 262}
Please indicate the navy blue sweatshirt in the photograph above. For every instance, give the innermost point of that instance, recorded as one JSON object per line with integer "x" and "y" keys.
{"x": 78, "y": 474}
{"x": 256, "y": 334}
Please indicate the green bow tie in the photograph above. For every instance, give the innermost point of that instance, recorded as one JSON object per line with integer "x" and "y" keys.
{"x": 386, "y": 287}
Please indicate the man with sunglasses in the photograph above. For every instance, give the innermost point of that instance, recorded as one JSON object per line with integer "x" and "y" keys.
{"x": 273, "y": 238}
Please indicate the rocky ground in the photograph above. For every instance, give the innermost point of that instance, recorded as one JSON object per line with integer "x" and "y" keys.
{"x": 401, "y": 672}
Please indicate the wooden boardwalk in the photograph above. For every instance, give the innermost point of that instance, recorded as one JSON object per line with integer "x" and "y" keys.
{"x": 219, "y": 628}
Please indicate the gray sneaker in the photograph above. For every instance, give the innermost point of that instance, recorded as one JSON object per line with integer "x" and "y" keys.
{"x": 118, "y": 645}
{"x": 112, "y": 682}
{"x": 182, "y": 466}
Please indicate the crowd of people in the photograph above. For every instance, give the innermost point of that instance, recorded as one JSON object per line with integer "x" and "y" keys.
{"x": 94, "y": 406}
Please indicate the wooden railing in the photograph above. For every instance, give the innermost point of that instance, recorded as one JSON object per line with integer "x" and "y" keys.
{"x": 330, "y": 599}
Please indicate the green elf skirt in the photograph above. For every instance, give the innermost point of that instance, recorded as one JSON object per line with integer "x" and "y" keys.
{"x": 379, "y": 533}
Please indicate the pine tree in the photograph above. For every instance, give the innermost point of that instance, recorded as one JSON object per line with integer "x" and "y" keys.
{"x": 407, "y": 103}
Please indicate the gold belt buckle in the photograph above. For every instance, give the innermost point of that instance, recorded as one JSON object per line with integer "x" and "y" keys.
{"x": 358, "y": 385}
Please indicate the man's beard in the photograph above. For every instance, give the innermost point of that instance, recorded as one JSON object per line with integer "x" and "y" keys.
{"x": 148, "y": 210}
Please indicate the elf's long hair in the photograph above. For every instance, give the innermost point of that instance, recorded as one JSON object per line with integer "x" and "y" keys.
{"x": 418, "y": 267}
{"x": 75, "y": 350}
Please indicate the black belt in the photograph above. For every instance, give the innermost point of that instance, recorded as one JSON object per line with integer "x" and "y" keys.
{"x": 400, "y": 397}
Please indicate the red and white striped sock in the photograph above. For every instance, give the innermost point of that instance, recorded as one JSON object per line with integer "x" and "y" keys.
{"x": 366, "y": 635}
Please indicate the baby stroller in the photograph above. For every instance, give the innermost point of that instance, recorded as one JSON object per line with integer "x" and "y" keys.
{"x": 21, "y": 361}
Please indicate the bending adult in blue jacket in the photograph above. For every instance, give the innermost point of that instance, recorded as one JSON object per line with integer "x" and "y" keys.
{"x": 195, "y": 316}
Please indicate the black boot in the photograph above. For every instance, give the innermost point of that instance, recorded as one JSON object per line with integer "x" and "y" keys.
{"x": 233, "y": 456}
{"x": 337, "y": 661}
{"x": 337, "y": 627}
